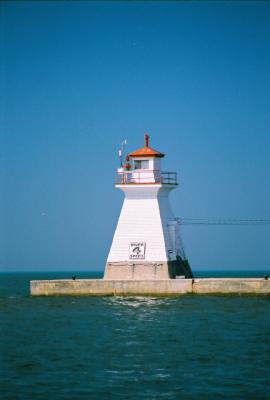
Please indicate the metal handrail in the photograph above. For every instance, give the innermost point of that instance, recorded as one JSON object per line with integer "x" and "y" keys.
{"x": 132, "y": 177}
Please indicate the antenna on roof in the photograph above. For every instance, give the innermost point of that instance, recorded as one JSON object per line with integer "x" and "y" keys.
{"x": 121, "y": 152}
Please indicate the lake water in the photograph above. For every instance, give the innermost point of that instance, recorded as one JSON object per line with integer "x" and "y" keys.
{"x": 190, "y": 347}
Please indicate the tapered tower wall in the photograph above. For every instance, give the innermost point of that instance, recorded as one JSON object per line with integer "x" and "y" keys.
{"x": 145, "y": 218}
{"x": 140, "y": 221}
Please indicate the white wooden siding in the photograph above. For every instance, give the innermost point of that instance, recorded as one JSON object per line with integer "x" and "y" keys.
{"x": 144, "y": 218}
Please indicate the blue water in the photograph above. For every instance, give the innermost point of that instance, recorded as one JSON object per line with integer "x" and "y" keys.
{"x": 190, "y": 347}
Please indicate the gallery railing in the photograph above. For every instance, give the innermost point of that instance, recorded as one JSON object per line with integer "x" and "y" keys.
{"x": 146, "y": 177}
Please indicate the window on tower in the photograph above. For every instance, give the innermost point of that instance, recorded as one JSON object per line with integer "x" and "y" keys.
{"x": 141, "y": 164}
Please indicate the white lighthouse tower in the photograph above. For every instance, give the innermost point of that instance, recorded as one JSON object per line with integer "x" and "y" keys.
{"x": 146, "y": 243}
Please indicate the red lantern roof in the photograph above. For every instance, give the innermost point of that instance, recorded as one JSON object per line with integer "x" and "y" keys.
{"x": 146, "y": 151}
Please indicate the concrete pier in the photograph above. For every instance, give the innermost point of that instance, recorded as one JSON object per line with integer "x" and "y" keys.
{"x": 163, "y": 287}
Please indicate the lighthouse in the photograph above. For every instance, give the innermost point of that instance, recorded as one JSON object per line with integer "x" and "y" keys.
{"x": 147, "y": 243}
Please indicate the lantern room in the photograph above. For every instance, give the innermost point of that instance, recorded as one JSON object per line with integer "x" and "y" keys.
{"x": 143, "y": 166}
{"x": 146, "y": 158}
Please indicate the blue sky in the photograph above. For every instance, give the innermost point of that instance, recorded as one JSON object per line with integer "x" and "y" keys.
{"x": 78, "y": 77}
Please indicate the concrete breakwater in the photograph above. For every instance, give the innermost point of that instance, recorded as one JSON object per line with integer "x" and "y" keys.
{"x": 164, "y": 287}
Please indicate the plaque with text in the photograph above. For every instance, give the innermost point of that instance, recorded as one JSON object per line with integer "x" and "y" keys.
{"x": 137, "y": 250}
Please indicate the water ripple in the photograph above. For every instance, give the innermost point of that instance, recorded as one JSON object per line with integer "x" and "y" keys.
{"x": 193, "y": 347}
